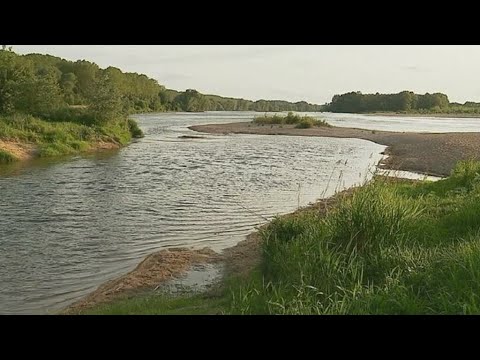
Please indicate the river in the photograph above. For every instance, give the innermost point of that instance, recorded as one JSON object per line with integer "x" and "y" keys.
{"x": 68, "y": 225}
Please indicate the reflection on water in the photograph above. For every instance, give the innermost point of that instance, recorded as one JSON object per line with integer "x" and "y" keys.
{"x": 70, "y": 224}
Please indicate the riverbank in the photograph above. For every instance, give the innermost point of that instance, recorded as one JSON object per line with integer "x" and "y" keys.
{"x": 426, "y": 153}
{"x": 389, "y": 247}
{"x": 141, "y": 284}
{"x": 24, "y": 137}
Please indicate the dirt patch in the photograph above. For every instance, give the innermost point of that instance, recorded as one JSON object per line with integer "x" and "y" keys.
{"x": 427, "y": 153}
{"x": 103, "y": 145}
{"x": 21, "y": 151}
{"x": 150, "y": 273}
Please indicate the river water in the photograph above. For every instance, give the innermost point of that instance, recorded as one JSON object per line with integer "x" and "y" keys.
{"x": 68, "y": 225}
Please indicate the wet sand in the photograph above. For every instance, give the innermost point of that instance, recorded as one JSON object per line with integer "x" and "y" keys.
{"x": 165, "y": 265}
{"x": 426, "y": 153}
{"x": 153, "y": 271}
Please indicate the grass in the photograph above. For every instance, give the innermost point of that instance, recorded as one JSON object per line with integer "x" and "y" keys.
{"x": 388, "y": 247}
{"x": 161, "y": 304}
{"x": 55, "y": 138}
{"x": 300, "y": 122}
{"x": 6, "y": 157}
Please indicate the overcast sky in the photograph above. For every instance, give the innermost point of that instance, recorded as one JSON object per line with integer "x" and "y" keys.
{"x": 313, "y": 73}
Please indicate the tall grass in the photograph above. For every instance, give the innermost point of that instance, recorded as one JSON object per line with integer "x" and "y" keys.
{"x": 55, "y": 138}
{"x": 6, "y": 157}
{"x": 389, "y": 248}
{"x": 301, "y": 122}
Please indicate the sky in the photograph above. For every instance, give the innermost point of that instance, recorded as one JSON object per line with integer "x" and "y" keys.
{"x": 312, "y": 73}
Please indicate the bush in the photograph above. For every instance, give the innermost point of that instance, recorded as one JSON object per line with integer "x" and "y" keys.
{"x": 302, "y": 122}
{"x": 134, "y": 129}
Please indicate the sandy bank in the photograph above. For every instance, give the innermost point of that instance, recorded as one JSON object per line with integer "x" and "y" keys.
{"x": 21, "y": 151}
{"x": 432, "y": 154}
{"x": 152, "y": 271}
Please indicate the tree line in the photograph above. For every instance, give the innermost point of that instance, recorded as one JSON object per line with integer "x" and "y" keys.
{"x": 57, "y": 89}
{"x": 405, "y": 101}
{"x": 193, "y": 101}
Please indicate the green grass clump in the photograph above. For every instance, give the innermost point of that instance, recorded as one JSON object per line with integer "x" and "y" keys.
{"x": 162, "y": 304}
{"x": 301, "y": 122}
{"x": 134, "y": 129}
{"x": 6, "y": 157}
{"x": 307, "y": 123}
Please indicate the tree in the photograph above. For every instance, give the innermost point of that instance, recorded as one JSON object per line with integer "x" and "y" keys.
{"x": 15, "y": 72}
{"x": 105, "y": 104}
{"x": 68, "y": 83}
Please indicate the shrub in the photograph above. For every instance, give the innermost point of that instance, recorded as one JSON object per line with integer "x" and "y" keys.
{"x": 301, "y": 122}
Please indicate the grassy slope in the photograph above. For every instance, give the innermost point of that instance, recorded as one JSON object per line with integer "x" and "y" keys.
{"x": 393, "y": 247}
{"x": 61, "y": 138}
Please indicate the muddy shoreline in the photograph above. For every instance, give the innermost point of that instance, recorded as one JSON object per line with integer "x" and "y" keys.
{"x": 428, "y": 153}
{"x": 164, "y": 266}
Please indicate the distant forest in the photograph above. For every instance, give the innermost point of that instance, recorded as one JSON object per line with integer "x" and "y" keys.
{"x": 52, "y": 88}
{"x": 40, "y": 85}
{"x": 405, "y": 101}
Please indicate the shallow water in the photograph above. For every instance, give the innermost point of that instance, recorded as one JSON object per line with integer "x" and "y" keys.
{"x": 402, "y": 123}
{"x": 68, "y": 225}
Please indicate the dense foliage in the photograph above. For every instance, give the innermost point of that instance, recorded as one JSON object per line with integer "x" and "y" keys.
{"x": 193, "y": 101}
{"x": 44, "y": 85}
{"x": 407, "y": 101}
{"x": 403, "y": 102}
{"x": 40, "y": 85}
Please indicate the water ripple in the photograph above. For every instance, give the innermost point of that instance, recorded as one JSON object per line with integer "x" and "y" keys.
{"x": 67, "y": 226}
